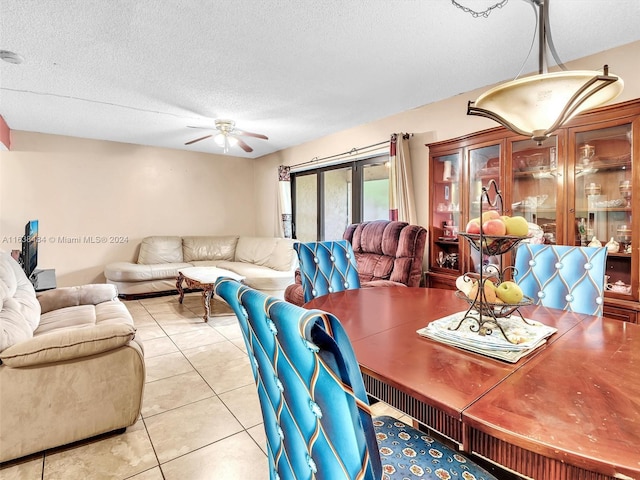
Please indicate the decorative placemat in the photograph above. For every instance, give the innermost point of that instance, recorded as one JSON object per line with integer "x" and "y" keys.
{"x": 526, "y": 336}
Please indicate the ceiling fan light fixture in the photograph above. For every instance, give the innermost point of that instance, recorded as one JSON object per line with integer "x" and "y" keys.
{"x": 228, "y": 136}
{"x": 225, "y": 141}
{"x": 220, "y": 139}
{"x": 537, "y": 105}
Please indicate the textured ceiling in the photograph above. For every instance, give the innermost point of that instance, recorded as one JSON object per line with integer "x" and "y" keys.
{"x": 141, "y": 71}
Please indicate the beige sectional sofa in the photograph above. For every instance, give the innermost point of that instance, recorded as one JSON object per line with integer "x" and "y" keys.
{"x": 267, "y": 263}
{"x": 71, "y": 367}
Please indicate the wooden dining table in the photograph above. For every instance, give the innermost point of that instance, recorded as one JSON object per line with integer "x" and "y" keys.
{"x": 569, "y": 410}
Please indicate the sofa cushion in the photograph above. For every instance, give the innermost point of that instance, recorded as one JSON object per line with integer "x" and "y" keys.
{"x": 372, "y": 266}
{"x": 160, "y": 249}
{"x": 132, "y": 272}
{"x": 259, "y": 277}
{"x": 274, "y": 253}
{"x": 90, "y": 294}
{"x": 67, "y": 344}
{"x": 209, "y": 248}
{"x": 19, "y": 308}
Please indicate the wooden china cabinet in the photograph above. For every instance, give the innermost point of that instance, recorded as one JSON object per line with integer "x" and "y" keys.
{"x": 579, "y": 186}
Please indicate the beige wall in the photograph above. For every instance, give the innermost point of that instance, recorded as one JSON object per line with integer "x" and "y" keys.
{"x": 437, "y": 121}
{"x": 79, "y": 188}
{"x": 82, "y": 190}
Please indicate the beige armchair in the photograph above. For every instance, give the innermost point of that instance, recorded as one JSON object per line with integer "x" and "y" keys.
{"x": 71, "y": 366}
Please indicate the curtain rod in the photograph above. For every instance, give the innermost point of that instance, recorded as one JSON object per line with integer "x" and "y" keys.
{"x": 350, "y": 152}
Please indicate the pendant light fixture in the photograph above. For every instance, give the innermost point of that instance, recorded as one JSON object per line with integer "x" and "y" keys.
{"x": 537, "y": 105}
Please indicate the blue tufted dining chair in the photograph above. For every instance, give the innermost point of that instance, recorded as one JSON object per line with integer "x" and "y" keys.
{"x": 316, "y": 414}
{"x": 563, "y": 277}
{"x": 326, "y": 267}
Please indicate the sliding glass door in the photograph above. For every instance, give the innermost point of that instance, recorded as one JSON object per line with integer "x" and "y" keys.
{"x": 326, "y": 200}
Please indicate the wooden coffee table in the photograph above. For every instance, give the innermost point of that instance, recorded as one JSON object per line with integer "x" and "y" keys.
{"x": 202, "y": 278}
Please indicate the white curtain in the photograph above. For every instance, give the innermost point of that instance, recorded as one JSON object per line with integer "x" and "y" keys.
{"x": 402, "y": 205}
{"x": 284, "y": 201}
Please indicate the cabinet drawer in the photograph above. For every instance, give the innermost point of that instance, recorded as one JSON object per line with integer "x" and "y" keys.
{"x": 434, "y": 280}
{"x": 620, "y": 314}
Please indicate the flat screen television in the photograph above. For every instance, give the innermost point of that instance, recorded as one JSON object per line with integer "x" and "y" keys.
{"x": 30, "y": 247}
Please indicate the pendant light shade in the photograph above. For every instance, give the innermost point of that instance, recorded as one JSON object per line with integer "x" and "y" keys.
{"x": 536, "y": 106}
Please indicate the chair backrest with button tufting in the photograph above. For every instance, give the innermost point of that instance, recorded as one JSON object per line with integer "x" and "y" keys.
{"x": 564, "y": 277}
{"x": 326, "y": 267}
{"x": 315, "y": 409}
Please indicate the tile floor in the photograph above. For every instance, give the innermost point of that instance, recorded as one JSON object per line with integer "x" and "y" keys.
{"x": 200, "y": 416}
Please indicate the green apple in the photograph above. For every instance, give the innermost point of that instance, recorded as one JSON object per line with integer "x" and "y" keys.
{"x": 517, "y": 226}
{"x": 509, "y": 292}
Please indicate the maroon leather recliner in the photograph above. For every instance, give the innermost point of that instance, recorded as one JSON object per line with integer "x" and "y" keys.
{"x": 387, "y": 253}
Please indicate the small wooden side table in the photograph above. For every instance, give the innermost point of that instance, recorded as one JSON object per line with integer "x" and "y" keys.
{"x": 202, "y": 278}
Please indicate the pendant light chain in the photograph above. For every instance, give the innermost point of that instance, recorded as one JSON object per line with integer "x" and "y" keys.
{"x": 484, "y": 14}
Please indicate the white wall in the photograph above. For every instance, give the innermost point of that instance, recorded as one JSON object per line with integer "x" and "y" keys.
{"x": 85, "y": 190}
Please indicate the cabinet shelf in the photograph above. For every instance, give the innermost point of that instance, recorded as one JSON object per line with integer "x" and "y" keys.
{"x": 620, "y": 255}
{"x": 536, "y": 173}
{"x": 604, "y": 209}
{"x": 526, "y": 208}
{"x": 442, "y": 241}
{"x": 603, "y": 164}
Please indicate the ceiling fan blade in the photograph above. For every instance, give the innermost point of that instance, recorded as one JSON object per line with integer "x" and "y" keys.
{"x": 205, "y": 128}
{"x": 198, "y": 139}
{"x": 250, "y": 134}
{"x": 244, "y": 146}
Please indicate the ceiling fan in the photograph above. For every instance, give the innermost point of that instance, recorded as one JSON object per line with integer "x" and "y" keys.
{"x": 227, "y": 136}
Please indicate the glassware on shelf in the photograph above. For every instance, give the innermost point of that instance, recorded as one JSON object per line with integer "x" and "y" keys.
{"x": 624, "y": 233}
{"x": 592, "y": 189}
{"x": 587, "y": 152}
{"x": 626, "y": 188}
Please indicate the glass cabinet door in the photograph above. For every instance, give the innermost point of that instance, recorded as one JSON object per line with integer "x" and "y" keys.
{"x": 534, "y": 189}
{"x": 446, "y": 217}
{"x": 603, "y": 192}
{"x": 484, "y": 166}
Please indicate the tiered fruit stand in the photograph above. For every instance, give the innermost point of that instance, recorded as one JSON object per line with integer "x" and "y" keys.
{"x": 485, "y": 314}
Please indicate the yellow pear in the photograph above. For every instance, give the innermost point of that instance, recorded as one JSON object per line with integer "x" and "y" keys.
{"x": 489, "y": 292}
